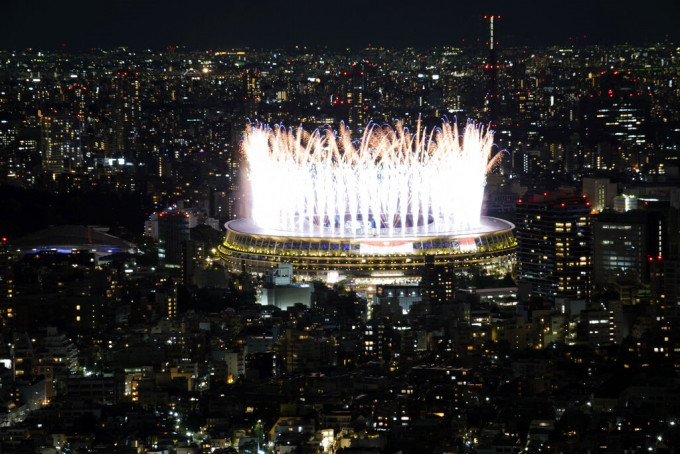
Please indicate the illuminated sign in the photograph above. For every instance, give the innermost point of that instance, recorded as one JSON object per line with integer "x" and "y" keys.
{"x": 386, "y": 247}
{"x": 467, "y": 244}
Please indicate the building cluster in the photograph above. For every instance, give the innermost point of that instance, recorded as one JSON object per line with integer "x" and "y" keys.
{"x": 167, "y": 124}
{"x": 144, "y": 342}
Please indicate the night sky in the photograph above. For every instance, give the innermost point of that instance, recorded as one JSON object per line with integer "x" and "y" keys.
{"x": 81, "y": 24}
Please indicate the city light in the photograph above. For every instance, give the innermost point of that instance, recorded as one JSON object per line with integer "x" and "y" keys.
{"x": 390, "y": 182}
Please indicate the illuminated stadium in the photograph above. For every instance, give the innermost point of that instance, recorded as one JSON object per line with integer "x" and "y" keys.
{"x": 369, "y": 210}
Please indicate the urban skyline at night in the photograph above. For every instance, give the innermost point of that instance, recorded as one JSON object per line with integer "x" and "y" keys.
{"x": 180, "y": 274}
{"x": 215, "y": 24}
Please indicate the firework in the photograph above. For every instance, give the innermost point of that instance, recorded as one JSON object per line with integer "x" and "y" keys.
{"x": 391, "y": 182}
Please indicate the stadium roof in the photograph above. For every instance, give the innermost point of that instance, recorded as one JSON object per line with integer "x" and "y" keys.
{"x": 66, "y": 238}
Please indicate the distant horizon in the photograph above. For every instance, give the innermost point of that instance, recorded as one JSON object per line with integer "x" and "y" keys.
{"x": 66, "y": 49}
{"x": 206, "y": 24}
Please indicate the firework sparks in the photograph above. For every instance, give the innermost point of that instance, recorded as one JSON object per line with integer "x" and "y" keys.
{"x": 389, "y": 183}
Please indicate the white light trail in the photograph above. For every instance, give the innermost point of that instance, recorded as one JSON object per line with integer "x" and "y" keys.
{"x": 392, "y": 182}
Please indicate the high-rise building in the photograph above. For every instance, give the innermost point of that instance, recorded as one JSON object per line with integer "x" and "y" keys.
{"x": 616, "y": 114}
{"x": 28, "y": 154}
{"x": 491, "y": 95}
{"x": 173, "y": 230}
{"x": 253, "y": 92}
{"x": 6, "y": 284}
{"x": 350, "y": 97}
{"x": 664, "y": 256}
{"x": 554, "y": 239}
{"x": 600, "y": 192}
{"x": 8, "y": 137}
{"x": 621, "y": 247}
{"x": 603, "y": 326}
{"x": 355, "y": 96}
{"x": 437, "y": 284}
{"x": 193, "y": 255}
{"x": 125, "y": 114}
{"x": 166, "y": 300}
{"x": 378, "y": 339}
{"x": 61, "y": 143}
{"x": 637, "y": 246}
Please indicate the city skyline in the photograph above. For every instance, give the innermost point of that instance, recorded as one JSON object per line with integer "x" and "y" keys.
{"x": 145, "y": 308}
{"x": 212, "y": 24}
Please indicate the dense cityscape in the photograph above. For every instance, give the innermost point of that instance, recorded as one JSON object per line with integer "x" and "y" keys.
{"x": 134, "y": 319}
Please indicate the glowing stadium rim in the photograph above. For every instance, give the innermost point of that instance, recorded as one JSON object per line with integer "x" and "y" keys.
{"x": 389, "y": 183}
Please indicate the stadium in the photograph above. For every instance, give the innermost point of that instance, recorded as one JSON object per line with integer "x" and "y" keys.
{"x": 368, "y": 211}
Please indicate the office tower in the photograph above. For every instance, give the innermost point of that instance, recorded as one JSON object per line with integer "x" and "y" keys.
{"x": 614, "y": 119}
{"x": 621, "y": 247}
{"x": 554, "y": 245}
{"x": 603, "y": 326}
{"x": 639, "y": 246}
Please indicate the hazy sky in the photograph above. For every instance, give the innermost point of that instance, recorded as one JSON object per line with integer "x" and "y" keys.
{"x": 265, "y": 23}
